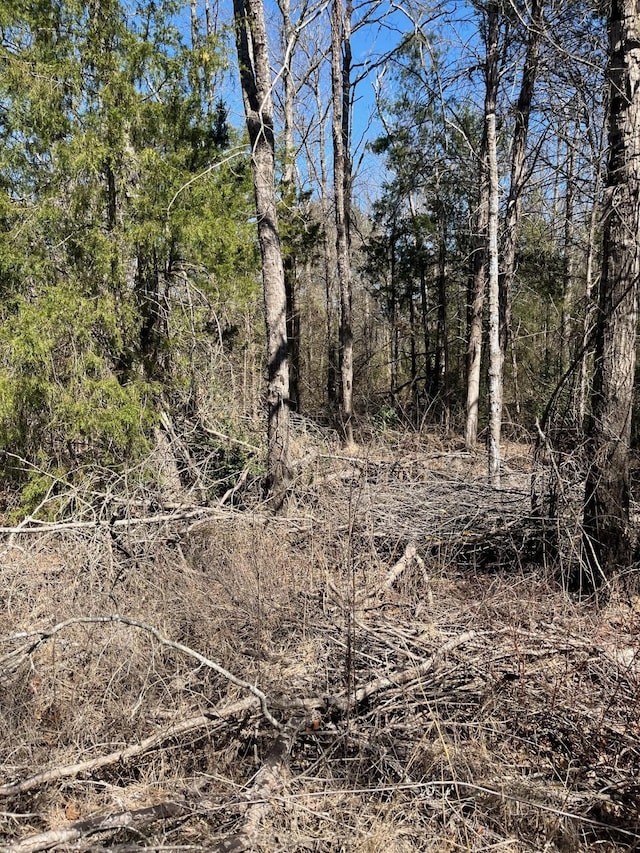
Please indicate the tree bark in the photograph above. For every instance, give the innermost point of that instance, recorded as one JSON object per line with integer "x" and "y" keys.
{"x": 442, "y": 348}
{"x": 341, "y": 90}
{"x": 394, "y": 340}
{"x": 477, "y": 284}
{"x": 289, "y": 39}
{"x": 607, "y": 546}
{"x": 568, "y": 276}
{"x": 594, "y": 220}
{"x": 496, "y": 354}
{"x": 328, "y": 250}
{"x": 255, "y": 77}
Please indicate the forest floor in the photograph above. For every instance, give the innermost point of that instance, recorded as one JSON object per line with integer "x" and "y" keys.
{"x": 389, "y": 665}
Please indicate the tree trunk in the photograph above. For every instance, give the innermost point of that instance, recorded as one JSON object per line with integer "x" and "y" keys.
{"x": 341, "y": 90}
{"x": 414, "y": 357}
{"x": 594, "y": 221}
{"x": 518, "y": 176}
{"x": 426, "y": 337}
{"x": 496, "y": 354}
{"x": 568, "y": 294}
{"x": 607, "y": 546}
{"x": 477, "y": 284}
{"x": 442, "y": 348}
{"x": 394, "y": 342}
{"x": 289, "y": 193}
{"x": 255, "y": 77}
{"x": 195, "y": 35}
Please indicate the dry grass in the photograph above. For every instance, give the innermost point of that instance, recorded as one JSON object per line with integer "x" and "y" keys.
{"x": 525, "y": 737}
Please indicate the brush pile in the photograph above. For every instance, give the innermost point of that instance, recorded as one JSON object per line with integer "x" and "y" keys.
{"x": 344, "y": 677}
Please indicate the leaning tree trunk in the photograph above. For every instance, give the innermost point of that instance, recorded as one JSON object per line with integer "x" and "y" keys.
{"x": 341, "y": 90}
{"x": 255, "y": 77}
{"x": 607, "y": 540}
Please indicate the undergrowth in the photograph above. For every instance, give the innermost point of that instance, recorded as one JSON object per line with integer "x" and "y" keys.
{"x": 523, "y": 737}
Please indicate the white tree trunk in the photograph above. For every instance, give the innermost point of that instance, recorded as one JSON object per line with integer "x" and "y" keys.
{"x": 496, "y": 359}
{"x": 496, "y": 355}
{"x": 476, "y": 306}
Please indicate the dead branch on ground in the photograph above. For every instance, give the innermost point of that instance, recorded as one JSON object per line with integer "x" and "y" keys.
{"x": 43, "y": 636}
{"x": 101, "y": 823}
{"x": 211, "y": 721}
{"x": 266, "y": 782}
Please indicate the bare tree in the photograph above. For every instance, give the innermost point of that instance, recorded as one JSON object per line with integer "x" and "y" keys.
{"x": 607, "y": 541}
{"x": 496, "y": 359}
{"x": 477, "y": 285}
{"x": 519, "y": 176}
{"x": 341, "y": 103}
{"x": 255, "y": 78}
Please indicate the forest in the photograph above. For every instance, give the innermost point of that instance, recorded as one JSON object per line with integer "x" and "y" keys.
{"x": 318, "y": 426}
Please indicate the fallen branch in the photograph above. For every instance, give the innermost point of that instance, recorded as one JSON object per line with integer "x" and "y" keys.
{"x": 267, "y": 780}
{"x": 410, "y": 555}
{"x": 242, "y": 479}
{"x": 405, "y": 676}
{"x": 231, "y": 439}
{"x": 184, "y": 514}
{"x": 179, "y": 647}
{"x": 101, "y": 823}
{"x": 213, "y": 721}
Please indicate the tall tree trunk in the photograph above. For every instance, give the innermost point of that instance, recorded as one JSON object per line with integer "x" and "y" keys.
{"x": 424, "y": 304}
{"x": 518, "y": 176}
{"x": 394, "y": 352}
{"x": 289, "y": 193}
{"x": 210, "y": 24}
{"x": 568, "y": 276}
{"x": 426, "y": 338}
{"x": 341, "y": 91}
{"x": 442, "y": 349}
{"x": 496, "y": 355}
{"x": 328, "y": 252}
{"x": 477, "y": 285}
{"x": 413, "y": 356}
{"x": 293, "y": 330}
{"x": 255, "y": 77}
{"x": 607, "y": 541}
{"x": 594, "y": 221}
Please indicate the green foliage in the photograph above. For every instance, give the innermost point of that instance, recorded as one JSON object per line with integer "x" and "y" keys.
{"x": 387, "y": 418}
{"x": 58, "y": 393}
{"x": 125, "y": 208}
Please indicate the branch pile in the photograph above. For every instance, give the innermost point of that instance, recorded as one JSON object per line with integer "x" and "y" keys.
{"x": 286, "y": 688}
